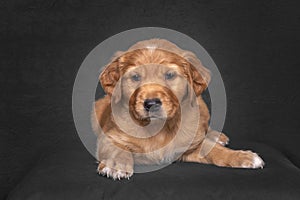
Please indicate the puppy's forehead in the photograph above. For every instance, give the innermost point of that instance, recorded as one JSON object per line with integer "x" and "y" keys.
{"x": 173, "y": 66}
{"x": 154, "y": 68}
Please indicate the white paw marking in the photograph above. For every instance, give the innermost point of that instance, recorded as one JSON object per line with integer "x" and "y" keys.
{"x": 223, "y": 143}
{"x": 115, "y": 174}
{"x": 257, "y": 162}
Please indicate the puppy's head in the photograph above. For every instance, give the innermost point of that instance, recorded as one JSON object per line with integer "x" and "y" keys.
{"x": 154, "y": 81}
{"x": 153, "y": 92}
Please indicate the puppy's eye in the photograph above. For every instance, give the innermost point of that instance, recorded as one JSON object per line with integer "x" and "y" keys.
{"x": 136, "y": 77}
{"x": 170, "y": 75}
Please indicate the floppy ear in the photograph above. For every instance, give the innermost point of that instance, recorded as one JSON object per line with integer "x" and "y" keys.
{"x": 198, "y": 75}
{"x": 109, "y": 79}
{"x": 199, "y": 79}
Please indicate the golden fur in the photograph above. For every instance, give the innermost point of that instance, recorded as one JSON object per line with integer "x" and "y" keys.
{"x": 118, "y": 151}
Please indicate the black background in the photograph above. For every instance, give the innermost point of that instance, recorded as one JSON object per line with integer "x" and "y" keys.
{"x": 255, "y": 45}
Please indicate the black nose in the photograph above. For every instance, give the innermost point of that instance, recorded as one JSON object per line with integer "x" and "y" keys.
{"x": 153, "y": 104}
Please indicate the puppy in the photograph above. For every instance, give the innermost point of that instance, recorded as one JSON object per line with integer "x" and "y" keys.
{"x": 154, "y": 114}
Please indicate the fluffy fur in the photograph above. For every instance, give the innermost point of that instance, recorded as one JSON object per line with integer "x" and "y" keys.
{"x": 140, "y": 74}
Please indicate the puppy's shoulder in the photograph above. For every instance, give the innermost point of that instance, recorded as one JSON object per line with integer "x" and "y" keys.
{"x": 204, "y": 112}
{"x": 101, "y": 112}
{"x": 103, "y": 102}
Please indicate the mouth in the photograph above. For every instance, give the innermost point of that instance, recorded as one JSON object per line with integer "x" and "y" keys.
{"x": 157, "y": 118}
{"x": 152, "y": 115}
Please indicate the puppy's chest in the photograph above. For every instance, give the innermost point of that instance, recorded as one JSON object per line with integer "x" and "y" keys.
{"x": 169, "y": 151}
{"x": 161, "y": 156}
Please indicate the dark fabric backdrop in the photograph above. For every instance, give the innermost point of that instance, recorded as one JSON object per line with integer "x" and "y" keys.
{"x": 255, "y": 45}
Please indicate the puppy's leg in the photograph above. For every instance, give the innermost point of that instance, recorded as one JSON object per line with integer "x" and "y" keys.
{"x": 223, "y": 139}
{"x": 217, "y": 136}
{"x": 114, "y": 162}
{"x": 225, "y": 157}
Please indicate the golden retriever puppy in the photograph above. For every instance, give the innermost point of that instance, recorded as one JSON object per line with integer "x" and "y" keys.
{"x": 154, "y": 114}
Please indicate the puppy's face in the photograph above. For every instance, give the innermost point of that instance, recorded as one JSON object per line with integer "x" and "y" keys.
{"x": 153, "y": 91}
{"x": 152, "y": 82}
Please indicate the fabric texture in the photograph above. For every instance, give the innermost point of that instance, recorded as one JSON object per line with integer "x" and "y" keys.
{"x": 42, "y": 45}
{"x": 72, "y": 175}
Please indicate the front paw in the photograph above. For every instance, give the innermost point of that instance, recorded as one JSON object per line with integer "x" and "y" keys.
{"x": 115, "y": 169}
{"x": 223, "y": 139}
{"x": 246, "y": 159}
